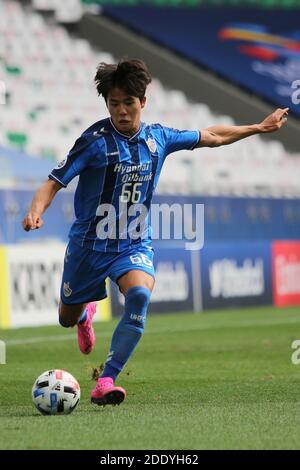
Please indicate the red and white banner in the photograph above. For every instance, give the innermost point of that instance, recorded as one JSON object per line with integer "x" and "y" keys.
{"x": 286, "y": 273}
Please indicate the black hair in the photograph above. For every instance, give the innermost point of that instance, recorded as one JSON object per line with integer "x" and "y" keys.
{"x": 131, "y": 76}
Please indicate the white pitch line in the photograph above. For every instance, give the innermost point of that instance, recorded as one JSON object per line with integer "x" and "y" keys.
{"x": 41, "y": 339}
{"x": 170, "y": 329}
{"x": 37, "y": 339}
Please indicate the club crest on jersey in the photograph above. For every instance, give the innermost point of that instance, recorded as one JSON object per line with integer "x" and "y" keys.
{"x": 61, "y": 164}
{"x": 151, "y": 145}
{"x": 67, "y": 289}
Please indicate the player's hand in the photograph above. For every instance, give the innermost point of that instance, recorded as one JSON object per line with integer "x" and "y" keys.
{"x": 32, "y": 221}
{"x": 274, "y": 121}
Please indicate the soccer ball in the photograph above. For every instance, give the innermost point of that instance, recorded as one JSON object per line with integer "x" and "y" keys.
{"x": 56, "y": 392}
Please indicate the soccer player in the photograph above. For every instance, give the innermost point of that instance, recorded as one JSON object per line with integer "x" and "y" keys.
{"x": 119, "y": 160}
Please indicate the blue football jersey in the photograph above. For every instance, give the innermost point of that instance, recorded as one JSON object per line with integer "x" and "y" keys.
{"x": 117, "y": 178}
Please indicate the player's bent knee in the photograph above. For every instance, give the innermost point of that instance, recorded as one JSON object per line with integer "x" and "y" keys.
{"x": 69, "y": 314}
{"x": 64, "y": 322}
{"x": 136, "y": 303}
{"x": 139, "y": 296}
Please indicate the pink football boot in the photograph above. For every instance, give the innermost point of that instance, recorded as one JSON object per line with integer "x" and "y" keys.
{"x": 105, "y": 392}
{"x": 85, "y": 331}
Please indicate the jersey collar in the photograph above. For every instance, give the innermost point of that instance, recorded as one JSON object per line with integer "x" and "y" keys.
{"x": 124, "y": 135}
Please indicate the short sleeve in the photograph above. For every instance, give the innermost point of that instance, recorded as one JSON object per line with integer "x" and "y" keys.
{"x": 77, "y": 160}
{"x": 180, "y": 140}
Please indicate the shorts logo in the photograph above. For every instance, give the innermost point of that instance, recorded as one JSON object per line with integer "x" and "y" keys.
{"x": 151, "y": 145}
{"x": 67, "y": 289}
{"x": 61, "y": 164}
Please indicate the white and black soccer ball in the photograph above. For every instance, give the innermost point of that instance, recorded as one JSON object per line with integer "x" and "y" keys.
{"x": 56, "y": 392}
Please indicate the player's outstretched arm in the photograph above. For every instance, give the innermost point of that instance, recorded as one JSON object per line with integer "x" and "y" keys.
{"x": 223, "y": 135}
{"x": 41, "y": 200}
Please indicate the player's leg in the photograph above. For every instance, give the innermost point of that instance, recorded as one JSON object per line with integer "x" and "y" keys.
{"x": 136, "y": 285}
{"x": 69, "y": 315}
{"x": 135, "y": 278}
{"x": 82, "y": 316}
{"x": 80, "y": 283}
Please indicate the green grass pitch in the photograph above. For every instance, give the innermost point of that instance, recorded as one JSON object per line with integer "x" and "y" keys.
{"x": 215, "y": 380}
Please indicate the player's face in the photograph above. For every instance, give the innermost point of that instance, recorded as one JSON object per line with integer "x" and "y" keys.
{"x": 125, "y": 111}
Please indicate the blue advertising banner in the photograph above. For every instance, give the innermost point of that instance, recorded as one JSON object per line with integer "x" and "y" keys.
{"x": 236, "y": 274}
{"x": 14, "y": 205}
{"x": 173, "y": 291}
{"x": 241, "y": 219}
{"x": 225, "y": 218}
{"x": 255, "y": 48}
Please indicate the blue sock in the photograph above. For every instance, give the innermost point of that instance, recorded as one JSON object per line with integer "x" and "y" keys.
{"x": 128, "y": 331}
{"x": 83, "y": 316}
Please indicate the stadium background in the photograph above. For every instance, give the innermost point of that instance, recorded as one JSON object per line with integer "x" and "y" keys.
{"x": 227, "y": 62}
{"x": 250, "y": 190}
